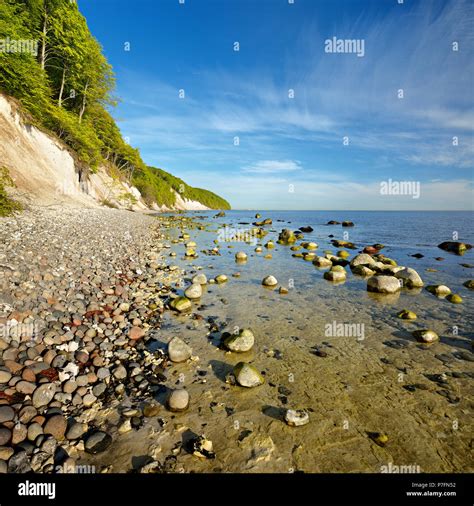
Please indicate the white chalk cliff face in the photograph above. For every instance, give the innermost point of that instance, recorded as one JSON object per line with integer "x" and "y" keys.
{"x": 45, "y": 171}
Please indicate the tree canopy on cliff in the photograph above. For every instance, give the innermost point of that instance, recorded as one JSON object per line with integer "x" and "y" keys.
{"x": 52, "y": 64}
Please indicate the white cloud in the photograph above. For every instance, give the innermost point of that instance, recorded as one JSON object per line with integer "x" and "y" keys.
{"x": 272, "y": 166}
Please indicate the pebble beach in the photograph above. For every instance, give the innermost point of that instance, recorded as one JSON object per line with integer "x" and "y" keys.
{"x": 140, "y": 343}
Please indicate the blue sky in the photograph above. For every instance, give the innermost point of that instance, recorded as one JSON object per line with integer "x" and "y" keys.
{"x": 291, "y": 152}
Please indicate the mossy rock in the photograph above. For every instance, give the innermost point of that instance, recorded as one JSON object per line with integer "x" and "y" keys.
{"x": 406, "y": 314}
{"x": 181, "y": 304}
{"x": 454, "y": 298}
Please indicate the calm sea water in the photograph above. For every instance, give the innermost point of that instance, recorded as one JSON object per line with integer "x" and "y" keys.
{"x": 403, "y": 233}
{"x": 359, "y": 380}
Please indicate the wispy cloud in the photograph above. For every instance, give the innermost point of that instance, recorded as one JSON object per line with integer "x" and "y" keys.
{"x": 291, "y": 120}
{"x": 272, "y": 166}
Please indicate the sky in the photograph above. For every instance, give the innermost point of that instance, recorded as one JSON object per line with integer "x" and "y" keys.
{"x": 244, "y": 98}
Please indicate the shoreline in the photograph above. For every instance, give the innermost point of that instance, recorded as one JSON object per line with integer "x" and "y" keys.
{"x": 86, "y": 301}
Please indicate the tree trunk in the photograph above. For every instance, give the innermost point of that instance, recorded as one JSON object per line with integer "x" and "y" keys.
{"x": 83, "y": 108}
{"x": 60, "y": 99}
{"x": 43, "y": 46}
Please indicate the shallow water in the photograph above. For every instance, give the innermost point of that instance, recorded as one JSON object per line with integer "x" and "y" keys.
{"x": 362, "y": 386}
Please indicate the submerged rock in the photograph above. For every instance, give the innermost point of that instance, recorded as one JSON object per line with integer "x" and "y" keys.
{"x": 199, "y": 279}
{"x": 455, "y": 247}
{"x": 337, "y": 273}
{"x": 322, "y": 262}
{"x": 241, "y": 256}
{"x": 241, "y": 342}
{"x": 362, "y": 270}
{"x": 454, "y": 298}
{"x": 286, "y": 236}
{"x": 247, "y": 376}
{"x": 469, "y": 284}
{"x": 193, "y": 291}
{"x": 178, "y": 350}
{"x": 181, "y": 304}
{"x": 383, "y": 284}
{"x": 307, "y": 229}
{"x": 296, "y": 417}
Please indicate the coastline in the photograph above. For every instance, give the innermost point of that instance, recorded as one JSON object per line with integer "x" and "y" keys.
{"x": 88, "y": 298}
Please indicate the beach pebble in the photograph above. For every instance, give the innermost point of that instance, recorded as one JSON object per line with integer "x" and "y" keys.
{"x": 120, "y": 372}
{"x": 43, "y": 394}
{"x": 469, "y": 284}
{"x": 5, "y": 436}
{"x": 405, "y": 314}
{"x": 178, "y": 400}
{"x": 241, "y": 342}
{"x": 193, "y": 291}
{"x": 439, "y": 290}
{"x": 221, "y": 278}
{"x": 241, "y": 256}
{"x": 76, "y": 430}
{"x": 337, "y": 273}
{"x": 5, "y": 376}
{"x": 6, "y": 452}
{"x": 296, "y": 417}
{"x": 247, "y": 376}
{"x": 151, "y": 409}
{"x": 19, "y": 463}
{"x": 362, "y": 270}
{"x": 56, "y": 426}
{"x": 178, "y": 350}
{"x": 322, "y": 262}
{"x": 454, "y": 298}
{"x": 269, "y": 281}
{"x": 181, "y": 304}
{"x": 97, "y": 442}
{"x": 383, "y": 284}
{"x": 136, "y": 333}
{"x": 202, "y": 447}
{"x": 410, "y": 277}
{"x": 34, "y": 430}
{"x": 362, "y": 259}
{"x": 6, "y": 414}
{"x": 200, "y": 279}
{"x": 425, "y": 336}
